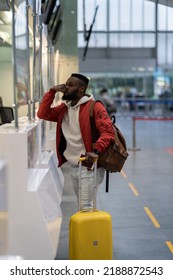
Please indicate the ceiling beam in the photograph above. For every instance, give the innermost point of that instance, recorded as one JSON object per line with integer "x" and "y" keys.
{"x": 168, "y": 3}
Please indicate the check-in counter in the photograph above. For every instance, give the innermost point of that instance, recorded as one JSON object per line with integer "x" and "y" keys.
{"x": 35, "y": 185}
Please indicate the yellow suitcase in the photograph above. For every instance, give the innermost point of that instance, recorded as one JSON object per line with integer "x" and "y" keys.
{"x": 90, "y": 233}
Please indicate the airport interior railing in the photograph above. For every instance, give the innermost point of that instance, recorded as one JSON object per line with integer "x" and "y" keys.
{"x": 144, "y": 107}
{"x": 144, "y": 110}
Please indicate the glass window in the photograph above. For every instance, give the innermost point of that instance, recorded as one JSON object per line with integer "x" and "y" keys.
{"x": 89, "y": 12}
{"x": 162, "y": 17}
{"x": 161, "y": 48}
{"x": 81, "y": 41}
{"x": 114, "y": 15}
{"x": 126, "y": 40}
{"x": 137, "y": 14}
{"x": 125, "y": 15}
{"x": 170, "y": 49}
{"x": 165, "y": 15}
{"x": 98, "y": 40}
{"x": 130, "y": 40}
{"x": 100, "y": 23}
{"x": 80, "y": 15}
{"x": 170, "y": 18}
{"x": 114, "y": 40}
{"x": 149, "y": 16}
{"x": 137, "y": 40}
{"x": 149, "y": 40}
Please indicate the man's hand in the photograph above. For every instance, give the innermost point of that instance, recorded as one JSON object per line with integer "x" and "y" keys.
{"x": 60, "y": 88}
{"x": 89, "y": 160}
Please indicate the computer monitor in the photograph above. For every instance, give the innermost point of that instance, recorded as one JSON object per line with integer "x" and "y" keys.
{"x": 6, "y": 115}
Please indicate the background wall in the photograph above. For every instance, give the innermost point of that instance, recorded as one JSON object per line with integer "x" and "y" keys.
{"x": 6, "y": 76}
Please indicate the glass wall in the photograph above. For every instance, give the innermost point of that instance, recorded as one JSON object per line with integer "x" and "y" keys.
{"x": 129, "y": 24}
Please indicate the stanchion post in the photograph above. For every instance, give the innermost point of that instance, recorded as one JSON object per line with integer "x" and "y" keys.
{"x": 134, "y": 135}
{"x": 134, "y": 132}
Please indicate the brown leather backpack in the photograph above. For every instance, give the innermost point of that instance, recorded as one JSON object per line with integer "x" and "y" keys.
{"x": 116, "y": 154}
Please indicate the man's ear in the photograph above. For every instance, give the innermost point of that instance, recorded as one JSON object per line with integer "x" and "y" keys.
{"x": 82, "y": 89}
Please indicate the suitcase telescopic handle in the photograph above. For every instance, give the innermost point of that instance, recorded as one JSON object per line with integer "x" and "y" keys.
{"x": 94, "y": 169}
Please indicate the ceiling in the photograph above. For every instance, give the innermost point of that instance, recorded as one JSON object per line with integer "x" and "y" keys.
{"x": 164, "y": 2}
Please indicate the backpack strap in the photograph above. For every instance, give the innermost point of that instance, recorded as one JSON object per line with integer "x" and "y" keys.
{"x": 91, "y": 108}
{"x": 94, "y": 131}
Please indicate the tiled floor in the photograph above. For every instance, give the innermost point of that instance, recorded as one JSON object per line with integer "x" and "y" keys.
{"x": 140, "y": 198}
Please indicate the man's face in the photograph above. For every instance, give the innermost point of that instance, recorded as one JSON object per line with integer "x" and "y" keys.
{"x": 72, "y": 89}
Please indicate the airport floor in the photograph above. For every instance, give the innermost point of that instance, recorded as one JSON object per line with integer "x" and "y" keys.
{"x": 140, "y": 198}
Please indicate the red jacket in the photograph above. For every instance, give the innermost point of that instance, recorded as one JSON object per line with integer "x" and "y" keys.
{"x": 56, "y": 114}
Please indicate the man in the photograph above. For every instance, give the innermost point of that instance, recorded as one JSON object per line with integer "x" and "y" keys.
{"x": 73, "y": 134}
{"x": 106, "y": 100}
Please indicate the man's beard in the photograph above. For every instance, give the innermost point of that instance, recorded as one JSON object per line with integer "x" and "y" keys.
{"x": 70, "y": 96}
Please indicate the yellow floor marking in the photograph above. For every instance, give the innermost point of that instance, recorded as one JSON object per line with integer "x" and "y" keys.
{"x": 123, "y": 174}
{"x": 151, "y": 216}
{"x": 170, "y": 246}
{"x": 133, "y": 189}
